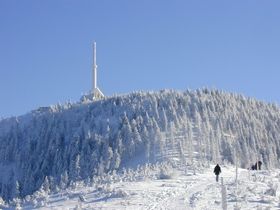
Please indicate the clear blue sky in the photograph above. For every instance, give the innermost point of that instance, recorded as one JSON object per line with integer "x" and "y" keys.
{"x": 46, "y": 53}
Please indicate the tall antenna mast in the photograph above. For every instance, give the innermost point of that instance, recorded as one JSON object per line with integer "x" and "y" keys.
{"x": 95, "y": 90}
{"x": 94, "y": 68}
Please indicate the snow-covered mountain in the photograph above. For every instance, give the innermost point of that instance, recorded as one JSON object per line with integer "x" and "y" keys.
{"x": 59, "y": 145}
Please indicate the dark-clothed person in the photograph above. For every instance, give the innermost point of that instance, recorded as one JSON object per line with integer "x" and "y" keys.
{"x": 217, "y": 171}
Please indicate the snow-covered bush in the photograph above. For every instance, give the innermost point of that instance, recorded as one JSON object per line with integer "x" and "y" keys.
{"x": 16, "y": 202}
{"x": 272, "y": 189}
{"x": 105, "y": 188}
{"x": 2, "y": 203}
{"x": 109, "y": 192}
{"x": 41, "y": 202}
{"x": 82, "y": 198}
{"x": 119, "y": 193}
{"x": 18, "y": 206}
{"x": 166, "y": 173}
{"x": 34, "y": 202}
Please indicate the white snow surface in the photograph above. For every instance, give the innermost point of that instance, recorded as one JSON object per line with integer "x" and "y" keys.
{"x": 184, "y": 190}
{"x": 78, "y": 156}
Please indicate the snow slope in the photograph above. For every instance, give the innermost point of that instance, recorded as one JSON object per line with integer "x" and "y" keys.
{"x": 52, "y": 148}
{"x": 256, "y": 190}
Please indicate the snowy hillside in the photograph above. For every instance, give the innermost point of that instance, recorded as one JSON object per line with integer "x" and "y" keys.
{"x": 54, "y": 147}
{"x": 146, "y": 188}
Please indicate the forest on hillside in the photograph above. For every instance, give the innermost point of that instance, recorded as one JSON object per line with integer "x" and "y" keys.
{"x": 62, "y": 144}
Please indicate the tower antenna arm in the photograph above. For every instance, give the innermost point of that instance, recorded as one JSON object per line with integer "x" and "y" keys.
{"x": 95, "y": 90}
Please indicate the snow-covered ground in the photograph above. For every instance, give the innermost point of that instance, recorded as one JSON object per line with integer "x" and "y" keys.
{"x": 185, "y": 190}
{"x": 52, "y": 147}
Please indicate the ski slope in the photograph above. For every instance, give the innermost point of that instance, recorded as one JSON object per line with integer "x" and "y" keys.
{"x": 185, "y": 190}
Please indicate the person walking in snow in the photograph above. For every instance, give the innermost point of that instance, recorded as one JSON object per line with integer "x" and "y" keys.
{"x": 217, "y": 171}
{"x": 260, "y": 165}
